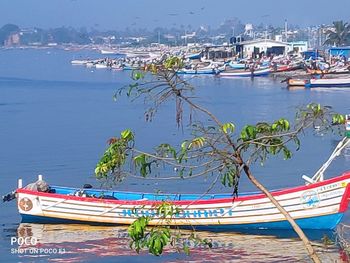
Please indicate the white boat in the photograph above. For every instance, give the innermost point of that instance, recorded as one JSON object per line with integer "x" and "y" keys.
{"x": 79, "y": 62}
{"x": 336, "y": 82}
{"x": 245, "y": 73}
{"x": 109, "y": 51}
{"x": 101, "y": 65}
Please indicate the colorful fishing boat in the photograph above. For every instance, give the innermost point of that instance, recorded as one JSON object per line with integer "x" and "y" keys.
{"x": 319, "y": 205}
{"x": 197, "y": 71}
{"x": 335, "y": 82}
{"x": 284, "y": 68}
{"x": 246, "y": 73}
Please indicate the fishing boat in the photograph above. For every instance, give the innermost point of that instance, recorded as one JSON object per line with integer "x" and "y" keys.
{"x": 245, "y": 73}
{"x": 110, "y": 51}
{"x": 101, "y": 65}
{"x": 196, "y": 55}
{"x": 196, "y": 71}
{"x": 284, "y": 68}
{"x": 296, "y": 82}
{"x": 209, "y": 68}
{"x": 238, "y": 64}
{"x": 318, "y": 204}
{"x": 328, "y": 82}
{"x": 79, "y": 61}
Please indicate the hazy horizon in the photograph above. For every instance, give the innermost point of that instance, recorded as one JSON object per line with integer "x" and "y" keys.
{"x": 111, "y": 14}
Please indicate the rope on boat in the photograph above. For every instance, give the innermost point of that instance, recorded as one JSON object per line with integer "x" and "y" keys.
{"x": 341, "y": 145}
{"x": 343, "y": 237}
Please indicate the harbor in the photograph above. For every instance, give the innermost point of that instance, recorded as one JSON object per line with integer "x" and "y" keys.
{"x": 294, "y": 68}
{"x": 79, "y": 83}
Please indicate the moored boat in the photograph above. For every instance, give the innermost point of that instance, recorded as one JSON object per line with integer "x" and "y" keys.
{"x": 79, "y": 62}
{"x": 296, "y": 82}
{"x": 328, "y": 82}
{"x": 238, "y": 64}
{"x": 197, "y": 71}
{"x": 196, "y": 55}
{"x": 319, "y": 205}
{"x": 246, "y": 73}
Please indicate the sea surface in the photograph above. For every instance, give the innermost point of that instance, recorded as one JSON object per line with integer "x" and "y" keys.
{"x": 55, "y": 120}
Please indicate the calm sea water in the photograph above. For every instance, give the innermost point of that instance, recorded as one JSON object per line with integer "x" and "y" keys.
{"x": 56, "y": 119}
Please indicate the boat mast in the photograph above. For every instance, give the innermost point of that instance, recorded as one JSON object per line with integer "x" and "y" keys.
{"x": 286, "y": 30}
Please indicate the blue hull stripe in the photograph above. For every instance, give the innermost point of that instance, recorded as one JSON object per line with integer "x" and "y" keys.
{"x": 345, "y": 85}
{"x": 318, "y": 222}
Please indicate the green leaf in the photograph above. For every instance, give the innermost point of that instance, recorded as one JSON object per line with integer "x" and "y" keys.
{"x": 197, "y": 143}
{"x": 287, "y": 153}
{"x": 184, "y": 146}
{"x": 140, "y": 160}
{"x": 136, "y": 75}
{"x": 186, "y": 249}
{"x": 127, "y": 135}
{"x": 228, "y": 128}
{"x": 248, "y": 133}
{"x": 297, "y": 142}
{"x": 338, "y": 119}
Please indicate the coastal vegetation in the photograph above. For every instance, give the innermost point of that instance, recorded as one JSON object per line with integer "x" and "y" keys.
{"x": 213, "y": 148}
{"x": 339, "y": 35}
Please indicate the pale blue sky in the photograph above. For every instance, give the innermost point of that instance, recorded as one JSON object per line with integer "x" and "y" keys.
{"x": 118, "y": 14}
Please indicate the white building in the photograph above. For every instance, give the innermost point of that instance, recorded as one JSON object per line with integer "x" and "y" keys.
{"x": 297, "y": 46}
{"x": 248, "y": 30}
{"x": 261, "y": 46}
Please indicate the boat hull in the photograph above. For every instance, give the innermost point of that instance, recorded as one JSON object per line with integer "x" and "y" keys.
{"x": 317, "y": 206}
{"x": 247, "y": 73}
{"x": 196, "y": 72}
{"x": 328, "y": 83}
{"x": 316, "y": 223}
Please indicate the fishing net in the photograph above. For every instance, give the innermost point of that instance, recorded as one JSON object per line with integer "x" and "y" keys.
{"x": 343, "y": 237}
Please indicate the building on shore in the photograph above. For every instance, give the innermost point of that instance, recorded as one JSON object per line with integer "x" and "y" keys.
{"x": 260, "y": 47}
{"x": 12, "y": 40}
{"x": 339, "y": 52}
{"x": 297, "y": 47}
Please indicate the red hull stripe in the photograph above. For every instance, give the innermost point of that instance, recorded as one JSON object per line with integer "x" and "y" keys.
{"x": 198, "y": 202}
{"x": 345, "y": 200}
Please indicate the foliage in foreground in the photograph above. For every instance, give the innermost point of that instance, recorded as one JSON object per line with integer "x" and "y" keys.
{"x": 156, "y": 237}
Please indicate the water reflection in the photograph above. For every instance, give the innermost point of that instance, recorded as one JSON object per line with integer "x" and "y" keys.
{"x": 81, "y": 243}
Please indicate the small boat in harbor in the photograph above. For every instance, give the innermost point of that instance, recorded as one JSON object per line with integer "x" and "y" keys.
{"x": 209, "y": 68}
{"x": 196, "y": 71}
{"x": 328, "y": 82}
{"x": 80, "y": 62}
{"x": 238, "y": 64}
{"x": 245, "y": 73}
{"x": 296, "y": 82}
{"x": 196, "y": 55}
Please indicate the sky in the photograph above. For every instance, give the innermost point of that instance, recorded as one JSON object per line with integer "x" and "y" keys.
{"x": 120, "y": 14}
